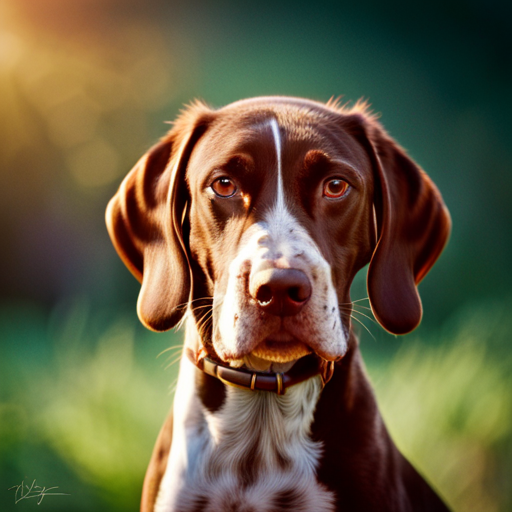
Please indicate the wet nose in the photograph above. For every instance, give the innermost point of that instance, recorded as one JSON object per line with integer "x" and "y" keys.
{"x": 280, "y": 291}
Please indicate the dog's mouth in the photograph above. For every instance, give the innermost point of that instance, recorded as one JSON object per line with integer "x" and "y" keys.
{"x": 281, "y": 347}
{"x": 281, "y": 351}
{"x": 274, "y": 344}
{"x": 274, "y": 356}
{"x": 277, "y": 353}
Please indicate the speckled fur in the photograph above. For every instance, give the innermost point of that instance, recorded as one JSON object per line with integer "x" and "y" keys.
{"x": 255, "y": 453}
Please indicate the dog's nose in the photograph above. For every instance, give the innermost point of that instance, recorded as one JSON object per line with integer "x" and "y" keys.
{"x": 280, "y": 291}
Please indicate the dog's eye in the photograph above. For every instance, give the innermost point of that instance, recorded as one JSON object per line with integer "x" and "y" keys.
{"x": 224, "y": 187}
{"x": 335, "y": 188}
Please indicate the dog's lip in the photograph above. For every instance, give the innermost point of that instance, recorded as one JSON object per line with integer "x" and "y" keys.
{"x": 281, "y": 347}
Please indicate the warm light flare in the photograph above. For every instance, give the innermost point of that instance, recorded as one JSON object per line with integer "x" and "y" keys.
{"x": 67, "y": 82}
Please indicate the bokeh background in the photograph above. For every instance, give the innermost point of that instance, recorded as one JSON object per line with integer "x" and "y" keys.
{"x": 86, "y": 87}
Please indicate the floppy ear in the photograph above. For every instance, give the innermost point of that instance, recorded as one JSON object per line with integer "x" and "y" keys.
{"x": 413, "y": 226}
{"x": 145, "y": 217}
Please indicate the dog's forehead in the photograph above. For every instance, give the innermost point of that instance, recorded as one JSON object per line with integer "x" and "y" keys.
{"x": 245, "y": 128}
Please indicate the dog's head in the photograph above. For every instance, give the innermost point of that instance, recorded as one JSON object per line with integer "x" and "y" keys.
{"x": 257, "y": 217}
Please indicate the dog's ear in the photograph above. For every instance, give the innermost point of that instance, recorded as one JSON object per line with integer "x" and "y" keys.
{"x": 413, "y": 226}
{"x": 145, "y": 219}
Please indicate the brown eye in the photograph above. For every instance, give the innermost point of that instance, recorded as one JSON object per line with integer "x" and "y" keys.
{"x": 335, "y": 188}
{"x": 224, "y": 187}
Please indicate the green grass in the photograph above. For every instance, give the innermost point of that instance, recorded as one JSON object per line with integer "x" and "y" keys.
{"x": 447, "y": 403}
{"x": 82, "y": 400}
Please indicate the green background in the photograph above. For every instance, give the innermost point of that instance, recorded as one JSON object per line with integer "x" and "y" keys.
{"x": 86, "y": 87}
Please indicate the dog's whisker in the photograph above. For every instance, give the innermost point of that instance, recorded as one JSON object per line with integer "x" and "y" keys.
{"x": 180, "y": 324}
{"x": 170, "y": 349}
{"x": 174, "y": 348}
{"x": 359, "y": 322}
{"x": 206, "y": 297}
{"x": 352, "y": 309}
{"x": 209, "y": 311}
{"x": 192, "y": 301}
{"x": 173, "y": 362}
{"x": 366, "y": 316}
{"x": 173, "y": 385}
{"x": 202, "y": 323}
{"x": 352, "y": 303}
{"x": 361, "y": 307}
{"x": 199, "y": 308}
{"x": 204, "y": 326}
{"x": 219, "y": 301}
{"x": 190, "y": 311}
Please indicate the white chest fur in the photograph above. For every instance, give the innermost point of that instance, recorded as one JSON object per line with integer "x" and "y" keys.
{"x": 253, "y": 454}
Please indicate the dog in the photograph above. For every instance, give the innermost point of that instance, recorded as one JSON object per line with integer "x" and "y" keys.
{"x": 248, "y": 224}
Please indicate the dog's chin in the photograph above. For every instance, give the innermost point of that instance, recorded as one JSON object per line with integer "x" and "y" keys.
{"x": 281, "y": 351}
{"x": 269, "y": 358}
{"x": 272, "y": 356}
{"x": 275, "y": 356}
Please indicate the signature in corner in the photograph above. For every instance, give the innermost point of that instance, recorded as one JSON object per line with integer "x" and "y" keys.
{"x": 23, "y": 492}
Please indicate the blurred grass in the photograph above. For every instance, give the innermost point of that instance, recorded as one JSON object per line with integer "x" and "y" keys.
{"x": 447, "y": 402}
{"x": 84, "y": 414}
{"x": 94, "y": 406}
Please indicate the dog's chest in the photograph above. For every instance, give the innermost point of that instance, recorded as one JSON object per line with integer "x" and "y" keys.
{"x": 253, "y": 454}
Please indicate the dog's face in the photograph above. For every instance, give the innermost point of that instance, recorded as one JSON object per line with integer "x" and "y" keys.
{"x": 262, "y": 213}
{"x": 272, "y": 190}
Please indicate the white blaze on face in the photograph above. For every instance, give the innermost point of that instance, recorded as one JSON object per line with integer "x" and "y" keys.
{"x": 278, "y": 241}
{"x": 279, "y": 207}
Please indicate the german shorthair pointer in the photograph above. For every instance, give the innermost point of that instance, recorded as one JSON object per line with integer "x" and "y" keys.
{"x": 250, "y": 223}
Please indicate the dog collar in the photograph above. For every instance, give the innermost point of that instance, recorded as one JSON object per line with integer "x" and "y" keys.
{"x": 303, "y": 369}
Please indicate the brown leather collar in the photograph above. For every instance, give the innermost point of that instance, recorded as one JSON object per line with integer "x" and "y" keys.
{"x": 304, "y": 369}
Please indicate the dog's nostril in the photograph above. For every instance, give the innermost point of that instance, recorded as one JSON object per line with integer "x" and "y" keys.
{"x": 281, "y": 292}
{"x": 264, "y": 295}
{"x": 296, "y": 295}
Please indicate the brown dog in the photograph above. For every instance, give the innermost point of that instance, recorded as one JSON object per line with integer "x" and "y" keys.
{"x": 251, "y": 222}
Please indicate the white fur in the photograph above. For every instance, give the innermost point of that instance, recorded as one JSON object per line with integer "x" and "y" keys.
{"x": 187, "y": 442}
{"x": 209, "y": 450}
{"x": 280, "y": 190}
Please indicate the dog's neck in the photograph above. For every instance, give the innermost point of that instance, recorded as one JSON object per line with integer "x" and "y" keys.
{"x": 255, "y": 373}
{"x": 236, "y": 444}
{"x": 254, "y": 446}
